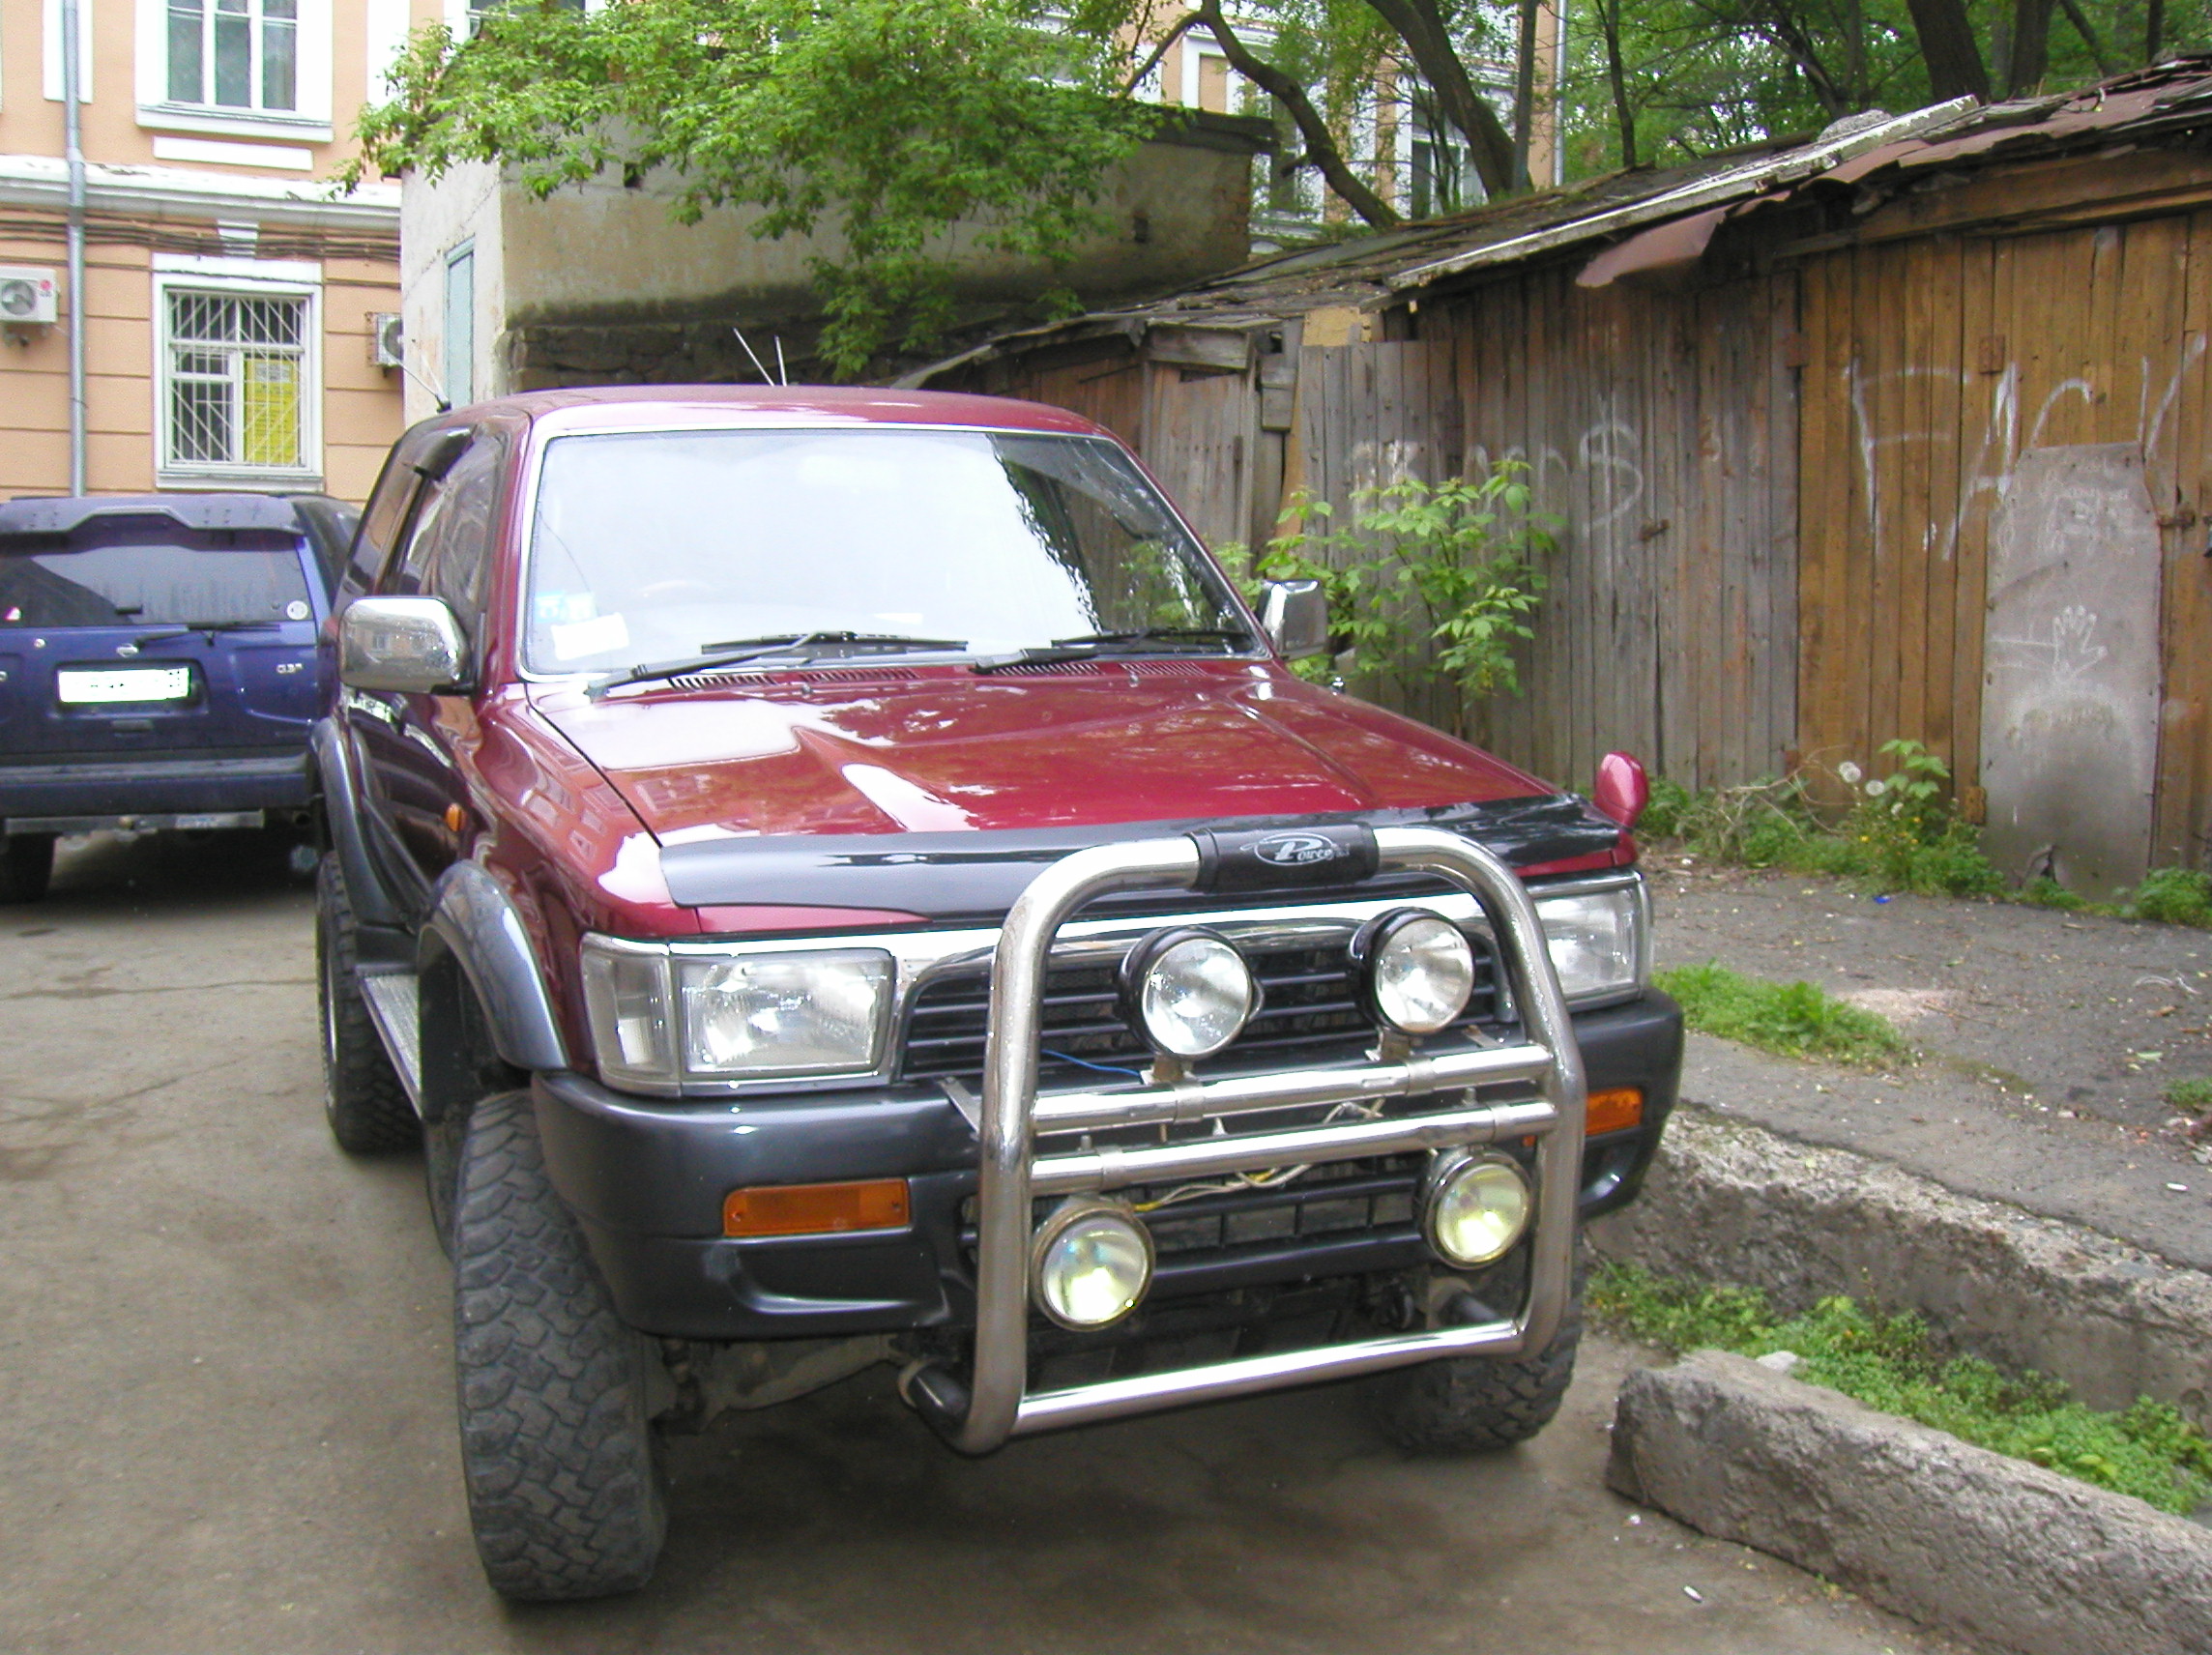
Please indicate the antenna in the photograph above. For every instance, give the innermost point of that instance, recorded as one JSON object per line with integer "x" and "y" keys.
{"x": 783, "y": 373}
{"x": 436, "y": 396}
{"x": 765, "y": 376}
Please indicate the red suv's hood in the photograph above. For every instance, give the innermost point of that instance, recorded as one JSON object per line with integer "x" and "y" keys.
{"x": 942, "y": 750}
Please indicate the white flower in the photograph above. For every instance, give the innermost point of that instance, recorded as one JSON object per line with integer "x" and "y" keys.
{"x": 1876, "y": 788}
{"x": 1850, "y": 772}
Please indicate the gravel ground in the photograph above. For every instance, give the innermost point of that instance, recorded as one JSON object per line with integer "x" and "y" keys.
{"x": 2048, "y": 1038}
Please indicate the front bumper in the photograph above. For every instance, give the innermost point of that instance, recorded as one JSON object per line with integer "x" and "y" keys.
{"x": 107, "y": 790}
{"x": 647, "y": 1180}
{"x": 635, "y": 1172}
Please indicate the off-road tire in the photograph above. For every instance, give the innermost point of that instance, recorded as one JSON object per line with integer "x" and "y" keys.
{"x": 1472, "y": 1405}
{"x": 363, "y": 1099}
{"x": 558, "y": 1450}
{"x": 26, "y": 866}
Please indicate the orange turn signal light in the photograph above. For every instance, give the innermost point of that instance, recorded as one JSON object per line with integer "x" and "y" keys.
{"x": 816, "y": 1209}
{"x": 1613, "y": 1110}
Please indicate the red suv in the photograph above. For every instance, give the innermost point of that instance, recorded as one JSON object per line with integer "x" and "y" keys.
{"x": 840, "y": 877}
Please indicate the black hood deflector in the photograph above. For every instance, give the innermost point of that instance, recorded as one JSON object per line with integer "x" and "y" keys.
{"x": 972, "y": 878}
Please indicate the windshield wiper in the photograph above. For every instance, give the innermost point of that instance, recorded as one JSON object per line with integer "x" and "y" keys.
{"x": 184, "y": 629}
{"x": 1146, "y": 641}
{"x": 737, "y": 651}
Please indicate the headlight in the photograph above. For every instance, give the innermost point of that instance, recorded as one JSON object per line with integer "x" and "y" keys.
{"x": 1474, "y": 1207}
{"x": 1188, "y": 992}
{"x": 1093, "y": 1261}
{"x": 1596, "y": 940}
{"x": 1414, "y": 969}
{"x": 659, "y": 1017}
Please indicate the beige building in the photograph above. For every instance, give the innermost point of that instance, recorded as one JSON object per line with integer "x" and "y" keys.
{"x": 230, "y": 296}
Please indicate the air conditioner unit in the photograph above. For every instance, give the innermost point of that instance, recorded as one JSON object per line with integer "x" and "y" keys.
{"x": 28, "y": 296}
{"x": 387, "y": 340}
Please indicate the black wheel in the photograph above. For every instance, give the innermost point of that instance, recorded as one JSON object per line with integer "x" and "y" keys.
{"x": 1466, "y": 1404}
{"x": 441, "y": 1140}
{"x": 26, "y": 865}
{"x": 366, "y": 1106}
{"x": 558, "y": 1447}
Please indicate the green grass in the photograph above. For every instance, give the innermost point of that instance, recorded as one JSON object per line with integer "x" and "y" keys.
{"x": 1888, "y": 1362}
{"x": 1792, "y": 1020}
{"x": 2177, "y": 896}
{"x": 2190, "y": 1097}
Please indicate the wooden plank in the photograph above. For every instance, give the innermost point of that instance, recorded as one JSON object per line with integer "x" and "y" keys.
{"x": 1827, "y": 472}
{"x": 2183, "y": 810}
{"x": 1674, "y": 411}
{"x": 1947, "y": 368}
{"x": 1885, "y": 396}
{"x": 1782, "y": 522}
{"x": 1910, "y": 522}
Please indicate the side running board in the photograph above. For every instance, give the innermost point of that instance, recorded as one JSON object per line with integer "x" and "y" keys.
{"x": 395, "y": 1008}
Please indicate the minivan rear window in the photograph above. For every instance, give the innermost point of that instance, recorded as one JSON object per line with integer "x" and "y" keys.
{"x": 45, "y": 582}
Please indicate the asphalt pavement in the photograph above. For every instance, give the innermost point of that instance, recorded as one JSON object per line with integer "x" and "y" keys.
{"x": 2047, "y": 1038}
{"x": 227, "y": 1426}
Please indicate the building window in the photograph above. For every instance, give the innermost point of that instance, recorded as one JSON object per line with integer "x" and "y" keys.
{"x": 235, "y": 54}
{"x": 238, "y": 393}
{"x": 461, "y": 325}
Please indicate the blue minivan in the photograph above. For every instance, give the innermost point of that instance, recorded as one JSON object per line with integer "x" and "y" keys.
{"x": 157, "y": 664}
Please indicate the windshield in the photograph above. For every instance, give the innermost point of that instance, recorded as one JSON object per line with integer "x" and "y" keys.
{"x": 128, "y": 585}
{"x": 665, "y": 545}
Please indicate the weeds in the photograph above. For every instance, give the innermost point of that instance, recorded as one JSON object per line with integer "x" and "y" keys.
{"x": 2177, "y": 896}
{"x": 1792, "y": 1020}
{"x": 1889, "y": 1362}
{"x": 1901, "y": 833}
{"x": 2190, "y": 1097}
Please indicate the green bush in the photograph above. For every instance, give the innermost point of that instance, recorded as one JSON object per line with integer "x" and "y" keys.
{"x": 2177, "y": 896}
{"x": 1792, "y": 1020}
{"x": 2044, "y": 892}
{"x": 1662, "y": 817}
{"x": 1889, "y": 1362}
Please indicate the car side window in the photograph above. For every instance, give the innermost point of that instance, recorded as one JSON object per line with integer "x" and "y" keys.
{"x": 448, "y": 550}
{"x": 380, "y": 523}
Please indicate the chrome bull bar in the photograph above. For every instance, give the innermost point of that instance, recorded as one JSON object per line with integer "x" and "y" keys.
{"x": 995, "y": 1404}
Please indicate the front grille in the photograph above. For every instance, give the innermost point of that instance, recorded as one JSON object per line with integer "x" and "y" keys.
{"x": 1325, "y": 1201}
{"x": 1308, "y": 1014}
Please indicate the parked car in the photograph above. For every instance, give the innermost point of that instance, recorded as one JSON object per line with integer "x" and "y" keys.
{"x": 157, "y": 664}
{"x": 840, "y": 877}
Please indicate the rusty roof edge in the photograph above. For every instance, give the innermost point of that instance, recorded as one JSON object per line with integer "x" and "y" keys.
{"x": 1689, "y": 198}
{"x": 1096, "y": 323}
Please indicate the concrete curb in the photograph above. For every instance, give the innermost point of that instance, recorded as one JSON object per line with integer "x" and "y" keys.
{"x": 1992, "y": 1549}
{"x": 1737, "y": 1204}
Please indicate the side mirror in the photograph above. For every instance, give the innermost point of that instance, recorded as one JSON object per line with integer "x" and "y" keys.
{"x": 1296, "y": 616}
{"x": 410, "y": 645}
{"x": 1623, "y": 789}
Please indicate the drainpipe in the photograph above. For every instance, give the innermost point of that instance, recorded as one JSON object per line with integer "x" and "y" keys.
{"x": 72, "y": 149}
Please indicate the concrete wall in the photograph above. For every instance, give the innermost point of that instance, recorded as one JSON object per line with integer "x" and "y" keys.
{"x": 647, "y": 293}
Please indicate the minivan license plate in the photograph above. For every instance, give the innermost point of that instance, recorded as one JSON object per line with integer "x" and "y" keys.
{"x": 79, "y": 686}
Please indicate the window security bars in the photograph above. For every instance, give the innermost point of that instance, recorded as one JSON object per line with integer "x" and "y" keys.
{"x": 237, "y": 380}
{"x": 235, "y": 54}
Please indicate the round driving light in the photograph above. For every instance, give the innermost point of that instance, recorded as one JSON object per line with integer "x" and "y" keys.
{"x": 1188, "y": 992}
{"x": 1093, "y": 1263}
{"x": 1415, "y": 969}
{"x": 1475, "y": 1208}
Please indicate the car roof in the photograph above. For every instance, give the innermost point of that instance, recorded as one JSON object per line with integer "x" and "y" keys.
{"x": 63, "y": 514}
{"x": 652, "y": 405}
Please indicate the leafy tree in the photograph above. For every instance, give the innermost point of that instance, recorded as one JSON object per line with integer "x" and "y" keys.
{"x": 878, "y": 125}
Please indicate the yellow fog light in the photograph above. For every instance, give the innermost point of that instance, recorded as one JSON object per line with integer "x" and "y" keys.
{"x": 1474, "y": 1207}
{"x": 1093, "y": 1263}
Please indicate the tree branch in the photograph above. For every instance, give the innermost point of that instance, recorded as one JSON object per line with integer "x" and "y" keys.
{"x": 1489, "y": 146}
{"x": 1320, "y": 143}
{"x": 2088, "y": 34}
{"x": 1182, "y": 27}
{"x": 1955, "y": 66}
